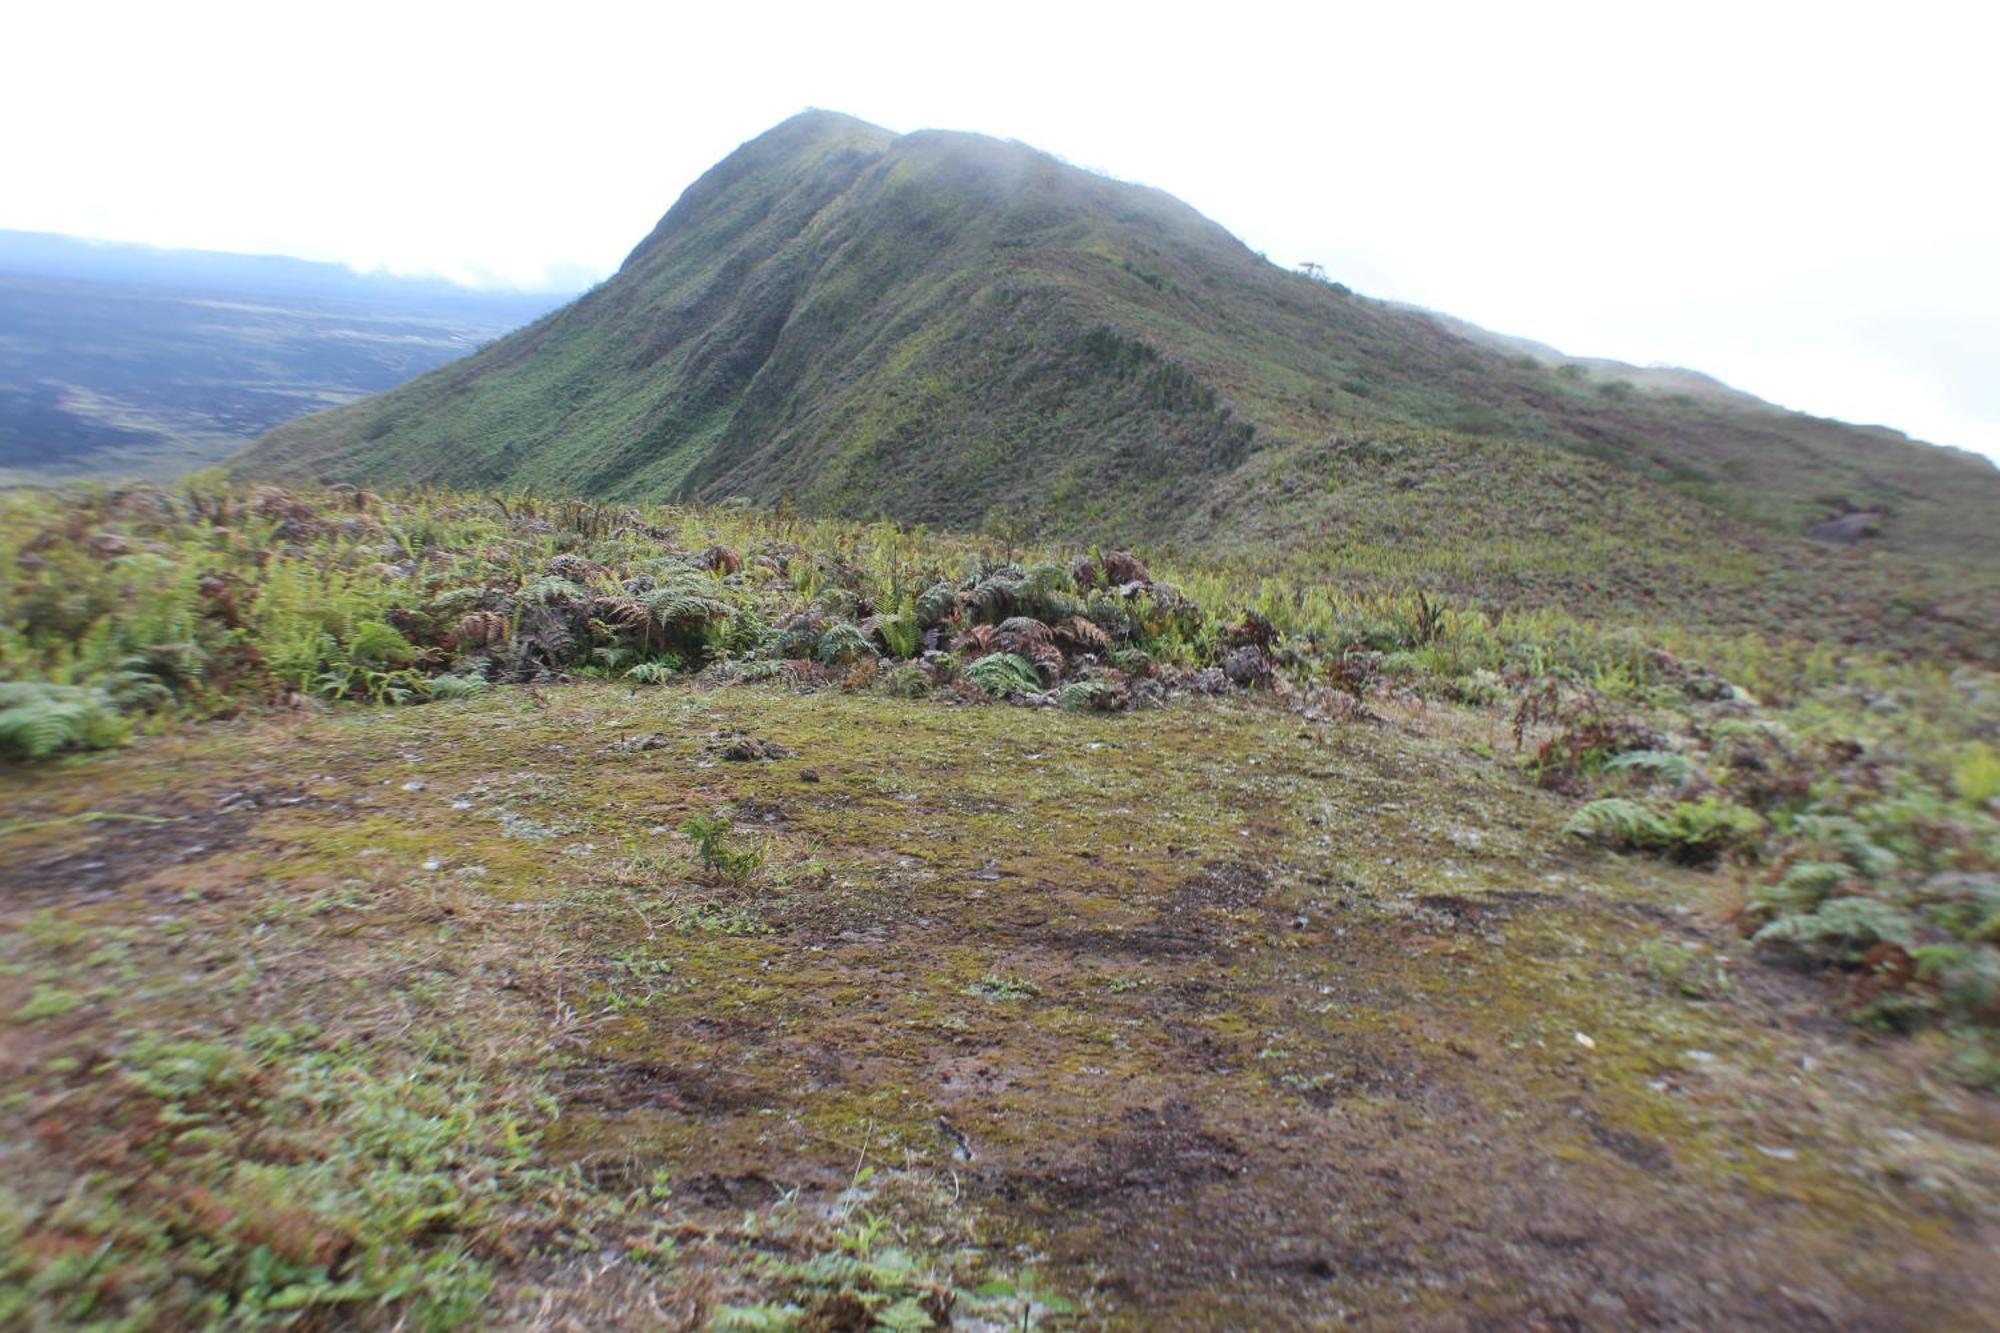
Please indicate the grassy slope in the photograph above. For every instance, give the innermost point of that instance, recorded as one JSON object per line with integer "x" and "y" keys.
{"x": 450, "y": 1013}
{"x": 936, "y": 326}
{"x": 1241, "y": 1011}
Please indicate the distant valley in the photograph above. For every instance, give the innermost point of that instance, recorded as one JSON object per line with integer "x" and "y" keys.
{"x": 121, "y": 360}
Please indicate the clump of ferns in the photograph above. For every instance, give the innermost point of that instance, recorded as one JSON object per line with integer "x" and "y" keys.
{"x": 1169, "y": 619}
{"x": 457, "y": 685}
{"x": 552, "y": 590}
{"x": 480, "y": 629}
{"x": 842, "y": 643}
{"x": 797, "y": 635}
{"x": 1003, "y": 674}
{"x": 1668, "y": 768}
{"x": 1025, "y": 637}
{"x": 1105, "y": 691}
{"x": 937, "y": 603}
{"x": 680, "y": 615}
{"x": 150, "y": 681}
{"x": 656, "y": 672}
{"x": 374, "y": 663}
{"x": 1078, "y": 634}
{"x": 1048, "y": 593}
{"x": 1698, "y": 832}
{"x": 1109, "y": 569}
{"x": 908, "y": 680}
{"x": 989, "y": 596}
{"x": 899, "y": 631}
{"x": 39, "y": 719}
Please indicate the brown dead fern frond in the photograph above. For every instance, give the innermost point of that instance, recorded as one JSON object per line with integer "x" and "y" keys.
{"x": 978, "y": 640}
{"x": 719, "y": 559}
{"x": 1033, "y": 640}
{"x": 1083, "y": 635}
{"x": 479, "y": 629}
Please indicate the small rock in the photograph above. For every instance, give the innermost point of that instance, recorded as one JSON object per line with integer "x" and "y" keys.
{"x": 808, "y": 775}
{"x": 1585, "y": 1042}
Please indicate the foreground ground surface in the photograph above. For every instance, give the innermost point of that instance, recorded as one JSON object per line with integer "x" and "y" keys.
{"x": 1205, "y": 1016}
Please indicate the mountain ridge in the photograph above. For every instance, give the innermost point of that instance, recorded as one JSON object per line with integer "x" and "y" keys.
{"x": 943, "y": 327}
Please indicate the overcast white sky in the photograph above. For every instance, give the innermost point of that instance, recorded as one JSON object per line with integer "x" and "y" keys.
{"x": 1799, "y": 198}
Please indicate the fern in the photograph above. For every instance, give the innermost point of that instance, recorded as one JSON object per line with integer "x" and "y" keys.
{"x": 936, "y": 602}
{"x": 1030, "y": 638}
{"x": 1669, "y": 766}
{"x": 457, "y": 600}
{"x": 37, "y": 720}
{"x": 797, "y": 635}
{"x": 683, "y": 604}
{"x": 139, "y": 684}
{"x": 1801, "y": 888}
{"x": 552, "y": 590}
{"x": 841, "y": 643}
{"x": 1617, "y": 822}
{"x": 465, "y": 686}
{"x": 1698, "y": 830}
{"x": 1840, "y": 838}
{"x": 479, "y": 629}
{"x": 613, "y": 656}
{"x": 651, "y": 673}
{"x": 1853, "y": 922}
{"x": 992, "y": 593}
{"x": 1001, "y": 674}
{"x": 1047, "y": 592}
{"x": 711, "y": 843}
{"x": 1083, "y": 635}
{"x": 1080, "y": 695}
{"x": 900, "y": 632}
{"x": 1694, "y": 831}
{"x": 376, "y": 644}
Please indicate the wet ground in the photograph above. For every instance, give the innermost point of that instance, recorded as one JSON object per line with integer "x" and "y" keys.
{"x": 1220, "y": 1018}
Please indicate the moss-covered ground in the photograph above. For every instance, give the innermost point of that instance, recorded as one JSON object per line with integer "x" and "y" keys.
{"x": 1209, "y": 1015}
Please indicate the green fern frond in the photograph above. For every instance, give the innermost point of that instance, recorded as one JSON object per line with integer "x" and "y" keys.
{"x": 1617, "y": 822}
{"x": 1855, "y": 922}
{"x": 840, "y": 643}
{"x": 1669, "y": 766}
{"x": 552, "y": 590}
{"x": 465, "y": 686}
{"x": 37, "y": 720}
{"x": 650, "y": 673}
{"x": 936, "y": 602}
{"x": 1002, "y": 674}
{"x": 1801, "y": 888}
{"x": 682, "y": 604}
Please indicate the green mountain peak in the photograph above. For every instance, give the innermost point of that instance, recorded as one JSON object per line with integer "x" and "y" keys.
{"x": 940, "y": 326}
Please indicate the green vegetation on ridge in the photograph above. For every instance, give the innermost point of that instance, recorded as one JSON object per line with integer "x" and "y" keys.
{"x": 943, "y": 328}
{"x": 1828, "y": 780}
{"x": 574, "y": 909}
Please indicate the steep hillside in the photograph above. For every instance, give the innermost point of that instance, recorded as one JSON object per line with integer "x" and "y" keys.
{"x": 938, "y": 326}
